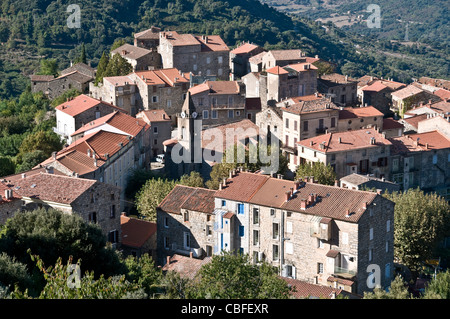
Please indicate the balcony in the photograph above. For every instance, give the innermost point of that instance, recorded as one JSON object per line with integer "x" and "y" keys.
{"x": 321, "y": 130}
{"x": 344, "y": 272}
{"x": 196, "y": 252}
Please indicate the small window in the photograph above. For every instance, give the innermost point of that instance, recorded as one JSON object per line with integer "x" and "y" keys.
{"x": 186, "y": 216}
{"x": 166, "y": 242}
{"x": 205, "y": 114}
{"x": 272, "y": 212}
{"x": 287, "y": 123}
{"x": 320, "y": 268}
{"x": 305, "y": 126}
{"x": 275, "y": 230}
{"x": 112, "y": 212}
{"x": 275, "y": 252}
{"x": 256, "y": 237}
{"x": 166, "y": 222}
{"x": 388, "y": 225}
{"x": 224, "y": 203}
{"x": 241, "y": 231}
{"x": 371, "y": 234}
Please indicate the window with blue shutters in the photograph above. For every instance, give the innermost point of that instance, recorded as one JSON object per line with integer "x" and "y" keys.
{"x": 241, "y": 209}
{"x": 241, "y": 231}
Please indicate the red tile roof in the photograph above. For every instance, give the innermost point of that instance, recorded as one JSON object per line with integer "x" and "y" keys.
{"x": 359, "y": 112}
{"x": 186, "y": 267}
{"x": 152, "y": 33}
{"x": 277, "y": 70}
{"x": 152, "y": 116}
{"x": 389, "y": 124}
{"x": 310, "y": 105}
{"x": 135, "y": 232}
{"x": 414, "y": 120}
{"x": 50, "y": 187}
{"x": 406, "y": 92}
{"x": 427, "y": 142}
{"x": 216, "y": 87}
{"x": 242, "y": 186}
{"x": 177, "y": 39}
{"x": 302, "y": 289}
{"x": 212, "y": 43}
{"x": 191, "y": 198}
{"x": 344, "y": 141}
{"x": 166, "y": 77}
{"x": 130, "y": 51}
{"x": 7, "y": 186}
{"x": 244, "y": 48}
{"x": 82, "y": 103}
{"x": 123, "y": 122}
{"x": 301, "y": 67}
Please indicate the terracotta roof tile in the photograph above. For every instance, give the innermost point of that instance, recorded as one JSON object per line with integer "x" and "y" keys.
{"x": 242, "y": 186}
{"x": 277, "y": 70}
{"x": 358, "y": 112}
{"x": 245, "y": 48}
{"x": 167, "y": 77}
{"x": 310, "y": 105}
{"x": 55, "y": 188}
{"x": 152, "y": 33}
{"x": 256, "y": 59}
{"x": 427, "y": 142}
{"x": 82, "y": 103}
{"x": 389, "y": 124}
{"x": 343, "y": 141}
{"x": 153, "y": 116}
{"x": 131, "y": 51}
{"x": 414, "y": 120}
{"x": 191, "y": 198}
{"x": 286, "y": 55}
{"x": 301, "y": 67}
{"x": 177, "y": 39}
{"x": 216, "y": 87}
{"x": 303, "y": 289}
{"x": 212, "y": 43}
{"x": 135, "y": 232}
{"x": 406, "y": 92}
{"x": 186, "y": 267}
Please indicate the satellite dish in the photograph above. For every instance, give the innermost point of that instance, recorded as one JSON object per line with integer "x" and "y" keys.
{"x": 194, "y": 114}
{"x": 183, "y": 115}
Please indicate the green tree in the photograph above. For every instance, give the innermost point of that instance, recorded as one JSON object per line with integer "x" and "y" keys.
{"x": 101, "y": 67}
{"x": 136, "y": 180}
{"x": 117, "y": 44}
{"x": 421, "y": 221}
{"x": 233, "y": 276}
{"x": 63, "y": 97}
{"x": 13, "y": 273}
{"x": 117, "y": 66}
{"x": 45, "y": 141}
{"x": 7, "y": 166}
{"x": 52, "y": 234}
{"x": 194, "y": 179}
{"x": 324, "y": 174}
{"x": 48, "y": 67}
{"x": 82, "y": 57}
{"x": 143, "y": 272}
{"x": 150, "y": 195}
{"x": 30, "y": 160}
{"x": 397, "y": 290}
{"x": 439, "y": 287}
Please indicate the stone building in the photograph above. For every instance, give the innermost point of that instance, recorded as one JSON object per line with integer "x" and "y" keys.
{"x": 160, "y": 128}
{"x": 315, "y": 233}
{"x": 138, "y": 237}
{"x": 367, "y": 182}
{"x": 363, "y": 151}
{"x": 421, "y": 160}
{"x": 147, "y": 39}
{"x": 282, "y": 58}
{"x": 239, "y": 59}
{"x": 205, "y": 55}
{"x": 117, "y": 90}
{"x": 161, "y": 89}
{"x": 139, "y": 58}
{"x": 377, "y": 93}
{"x": 78, "y": 111}
{"x": 341, "y": 89}
{"x": 10, "y": 202}
{"x": 219, "y": 102}
{"x": 356, "y": 118}
{"x": 392, "y": 128}
{"x": 185, "y": 223}
{"x": 54, "y": 87}
{"x": 270, "y": 121}
{"x": 95, "y": 202}
{"x": 306, "y": 119}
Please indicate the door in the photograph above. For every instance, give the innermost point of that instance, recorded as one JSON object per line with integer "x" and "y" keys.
{"x": 187, "y": 240}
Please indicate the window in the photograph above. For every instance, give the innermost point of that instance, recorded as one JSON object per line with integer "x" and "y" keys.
{"x": 208, "y": 230}
{"x": 155, "y": 129}
{"x": 333, "y": 122}
{"x": 97, "y": 114}
{"x": 255, "y": 237}
{"x": 155, "y": 141}
{"x": 208, "y": 60}
{"x": 305, "y": 126}
{"x": 230, "y": 114}
{"x": 286, "y": 140}
{"x": 275, "y": 252}
{"x": 186, "y": 216}
{"x": 112, "y": 211}
{"x": 435, "y": 159}
{"x": 169, "y": 103}
{"x": 224, "y": 203}
{"x": 371, "y": 233}
{"x": 241, "y": 231}
{"x": 220, "y": 59}
{"x": 320, "y": 268}
{"x": 272, "y": 212}
{"x": 344, "y": 238}
{"x": 275, "y": 230}
{"x": 187, "y": 240}
{"x": 166, "y": 222}
{"x": 387, "y": 246}
{"x": 295, "y": 125}
{"x": 387, "y": 271}
{"x": 205, "y": 114}
{"x": 113, "y": 236}
{"x": 214, "y": 114}
{"x": 287, "y": 123}
{"x": 388, "y": 225}
{"x": 255, "y": 216}
{"x": 93, "y": 217}
{"x": 319, "y": 243}
{"x": 219, "y": 72}
{"x": 194, "y": 67}
{"x": 154, "y": 99}
{"x": 370, "y": 254}
{"x": 289, "y": 227}
{"x": 240, "y": 208}
{"x": 289, "y": 248}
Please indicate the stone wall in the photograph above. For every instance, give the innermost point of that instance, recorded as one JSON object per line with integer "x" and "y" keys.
{"x": 8, "y": 209}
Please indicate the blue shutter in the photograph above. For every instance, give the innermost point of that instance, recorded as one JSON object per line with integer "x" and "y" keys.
{"x": 241, "y": 209}
{"x": 241, "y": 231}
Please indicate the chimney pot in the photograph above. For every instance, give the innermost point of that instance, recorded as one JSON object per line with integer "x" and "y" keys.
{"x": 168, "y": 260}
{"x": 336, "y": 183}
{"x": 24, "y": 175}
{"x": 303, "y": 204}
{"x": 288, "y": 194}
{"x": 191, "y": 254}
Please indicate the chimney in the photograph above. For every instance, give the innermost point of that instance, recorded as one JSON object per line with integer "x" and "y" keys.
{"x": 191, "y": 254}
{"x": 220, "y": 186}
{"x": 416, "y": 142}
{"x": 340, "y": 140}
{"x": 24, "y": 175}
{"x": 365, "y": 205}
{"x": 168, "y": 260}
{"x": 347, "y": 213}
{"x": 379, "y": 191}
{"x": 336, "y": 183}
{"x": 303, "y": 205}
{"x": 224, "y": 183}
{"x": 292, "y": 191}
{"x": 296, "y": 185}
{"x": 7, "y": 194}
{"x": 89, "y": 152}
{"x": 288, "y": 195}
{"x": 333, "y": 295}
{"x": 231, "y": 174}
{"x": 54, "y": 155}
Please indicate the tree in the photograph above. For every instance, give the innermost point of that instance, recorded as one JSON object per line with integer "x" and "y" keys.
{"x": 30, "y": 160}
{"x": 439, "y": 288}
{"x": 117, "y": 66}
{"x": 82, "y": 57}
{"x": 63, "y": 97}
{"x": 117, "y": 44}
{"x": 143, "y": 272}
{"x": 7, "y": 166}
{"x": 194, "y": 179}
{"x": 397, "y": 290}
{"x": 421, "y": 221}
{"x": 13, "y": 273}
{"x": 324, "y": 174}
{"x": 151, "y": 194}
{"x": 101, "y": 67}
{"x": 48, "y": 67}
{"x": 136, "y": 180}
{"x": 52, "y": 234}
{"x": 45, "y": 141}
{"x": 233, "y": 276}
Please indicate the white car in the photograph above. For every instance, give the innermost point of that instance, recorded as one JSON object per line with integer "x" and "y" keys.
{"x": 160, "y": 158}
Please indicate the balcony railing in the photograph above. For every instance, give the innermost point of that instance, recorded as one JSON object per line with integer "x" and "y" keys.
{"x": 344, "y": 272}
